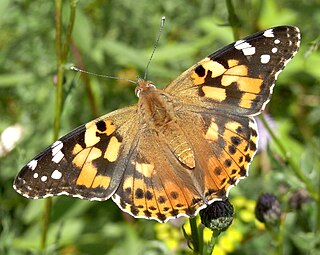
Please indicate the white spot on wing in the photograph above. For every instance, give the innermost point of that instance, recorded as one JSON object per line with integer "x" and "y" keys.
{"x": 274, "y": 50}
{"x": 249, "y": 51}
{"x": 268, "y": 33}
{"x": 32, "y": 164}
{"x": 44, "y": 178}
{"x": 56, "y": 174}
{"x": 56, "y": 146}
{"x": 57, "y": 158}
{"x": 35, "y": 175}
{"x": 56, "y": 151}
{"x": 246, "y": 47}
{"x": 276, "y": 41}
{"x": 239, "y": 45}
{"x": 265, "y": 58}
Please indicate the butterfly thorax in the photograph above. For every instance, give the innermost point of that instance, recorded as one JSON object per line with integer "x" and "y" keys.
{"x": 157, "y": 113}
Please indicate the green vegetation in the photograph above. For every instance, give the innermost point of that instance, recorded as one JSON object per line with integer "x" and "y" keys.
{"x": 43, "y": 99}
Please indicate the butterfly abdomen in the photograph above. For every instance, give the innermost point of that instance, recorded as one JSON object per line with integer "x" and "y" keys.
{"x": 178, "y": 144}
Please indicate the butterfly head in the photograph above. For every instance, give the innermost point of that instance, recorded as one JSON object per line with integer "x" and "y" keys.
{"x": 144, "y": 87}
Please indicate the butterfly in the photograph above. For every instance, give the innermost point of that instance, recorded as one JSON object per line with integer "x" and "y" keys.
{"x": 178, "y": 149}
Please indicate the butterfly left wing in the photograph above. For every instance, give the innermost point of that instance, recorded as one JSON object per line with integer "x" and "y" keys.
{"x": 87, "y": 163}
{"x": 240, "y": 77}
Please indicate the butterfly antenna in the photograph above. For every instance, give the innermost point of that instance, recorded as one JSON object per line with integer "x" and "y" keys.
{"x": 101, "y": 75}
{"x": 163, "y": 19}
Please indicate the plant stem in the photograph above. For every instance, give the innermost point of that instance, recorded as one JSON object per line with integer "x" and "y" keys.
{"x": 291, "y": 162}
{"x": 280, "y": 237}
{"x": 60, "y": 71}
{"x": 214, "y": 239}
{"x": 194, "y": 235}
{"x": 46, "y": 220}
{"x": 317, "y": 168}
{"x": 317, "y": 230}
{"x": 233, "y": 19}
{"x": 62, "y": 51}
{"x": 201, "y": 243}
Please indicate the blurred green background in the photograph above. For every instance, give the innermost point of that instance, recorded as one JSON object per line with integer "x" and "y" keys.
{"x": 117, "y": 38}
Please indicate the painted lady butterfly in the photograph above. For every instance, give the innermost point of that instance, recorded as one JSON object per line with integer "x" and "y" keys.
{"x": 177, "y": 150}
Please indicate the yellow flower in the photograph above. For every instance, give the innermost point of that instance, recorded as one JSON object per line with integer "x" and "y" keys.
{"x": 207, "y": 234}
{"x": 259, "y": 225}
{"x": 229, "y": 241}
{"x": 239, "y": 202}
{"x": 246, "y": 216}
{"x": 170, "y": 235}
{"x": 218, "y": 251}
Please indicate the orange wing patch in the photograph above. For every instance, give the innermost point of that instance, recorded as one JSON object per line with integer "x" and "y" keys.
{"x": 212, "y": 133}
{"x": 218, "y": 94}
{"x": 233, "y": 62}
{"x": 145, "y": 169}
{"x": 101, "y": 181}
{"x": 87, "y": 174}
{"x": 86, "y": 155}
{"x": 83, "y": 157}
{"x": 206, "y": 65}
{"x": 113, "y": 148}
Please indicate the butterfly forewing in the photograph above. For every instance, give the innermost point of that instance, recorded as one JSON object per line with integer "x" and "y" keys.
{"x": 179, "y": 149}
{"x": 239, "y": 78}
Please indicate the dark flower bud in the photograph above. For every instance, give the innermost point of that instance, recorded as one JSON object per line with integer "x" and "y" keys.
{"x": 268, "y": 209}
{"x": 298, "y": 198}
{"x": 218, "y": 215}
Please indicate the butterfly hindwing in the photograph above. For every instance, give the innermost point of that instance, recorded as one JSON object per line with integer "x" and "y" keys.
{"x": 86, "y": 163}
{"x": 224, "y": 146}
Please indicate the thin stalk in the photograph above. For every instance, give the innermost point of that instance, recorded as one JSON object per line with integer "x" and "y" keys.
{"x": 233, "y": 19}
{"x": 62, "y": 50}
{"x": 298, "y": 172}
{"x": 317, "y": 230}
{"x": 201, "y": 242}
{"x": 317, "y": 167}
{"x": 194, "y": 235}
{"x": 280, "y": 236}
{"x": 46, "y": 221}
{"x": 214, "y": 240}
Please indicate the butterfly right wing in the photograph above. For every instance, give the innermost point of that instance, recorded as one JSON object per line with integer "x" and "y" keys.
{"x": 87, "y": 163}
